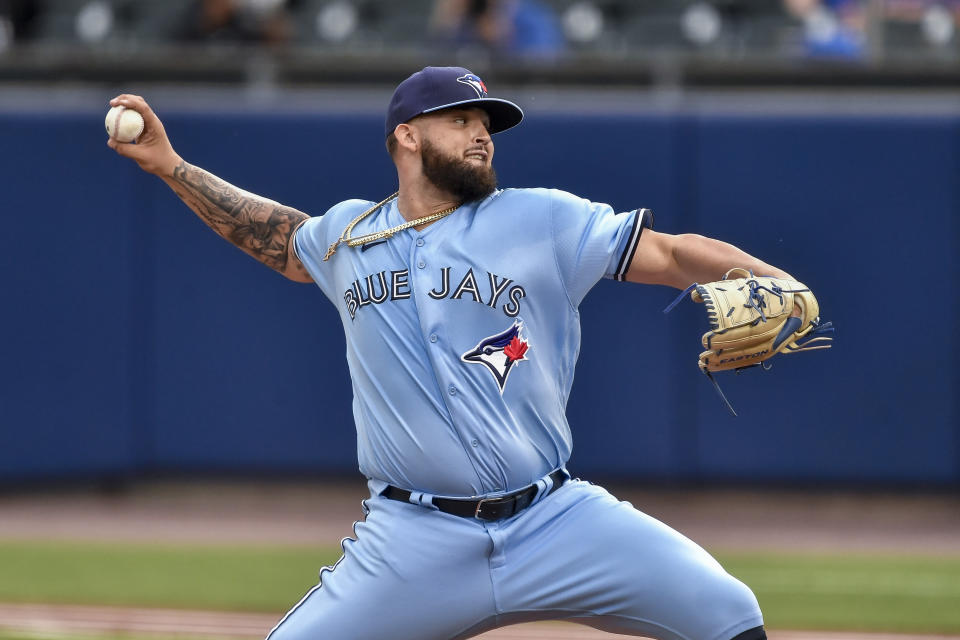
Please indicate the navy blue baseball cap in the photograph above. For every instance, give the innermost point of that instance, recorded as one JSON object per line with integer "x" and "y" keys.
{"x": 436, "y": 88}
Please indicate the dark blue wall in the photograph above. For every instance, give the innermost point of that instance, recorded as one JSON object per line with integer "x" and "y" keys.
{"x": 135, "y": 340}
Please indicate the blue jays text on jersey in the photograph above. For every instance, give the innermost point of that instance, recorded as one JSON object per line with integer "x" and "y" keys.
{"x": 462, "y": 337}
{"x": 395, "y": 285}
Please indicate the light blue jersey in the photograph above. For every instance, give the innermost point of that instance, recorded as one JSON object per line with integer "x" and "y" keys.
{"x": 462, "y": 338}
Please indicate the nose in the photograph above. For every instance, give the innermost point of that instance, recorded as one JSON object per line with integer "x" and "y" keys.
{"x": 481, "y": 136}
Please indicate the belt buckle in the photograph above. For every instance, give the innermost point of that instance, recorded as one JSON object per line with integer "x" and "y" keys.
{"x": 499, "y": 500}
{"x": 494, "y": 501}
{"x": 476, "y": 512}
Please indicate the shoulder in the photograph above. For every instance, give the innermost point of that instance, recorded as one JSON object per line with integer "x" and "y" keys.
{"x": 348, "y": 209}
{"x": 522, "y": 193}
{"x": 524, "y": 210}
{"x": 336, "y": 217}
{"x": 538, "y": 207}
{"x": 316, "y": 234}
{"x": 530, "y": 197}
{"x": 566, "y": 200}
{"x": 548, "y": 197}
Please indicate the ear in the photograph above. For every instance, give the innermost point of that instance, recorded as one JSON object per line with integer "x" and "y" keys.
{"x": 408, "y": 137}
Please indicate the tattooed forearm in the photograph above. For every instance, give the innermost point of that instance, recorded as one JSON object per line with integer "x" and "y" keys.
{"x": 260, "y": 227}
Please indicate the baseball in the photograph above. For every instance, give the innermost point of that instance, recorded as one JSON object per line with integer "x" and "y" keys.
{"x": 123, "y": 125}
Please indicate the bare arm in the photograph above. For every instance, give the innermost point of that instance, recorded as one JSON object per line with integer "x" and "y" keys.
{"x": 680, "y": 260}
{"x": 260, "y": 227}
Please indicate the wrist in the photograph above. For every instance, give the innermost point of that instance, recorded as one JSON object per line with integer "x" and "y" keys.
{"x": 166, "y": 168}
{"x": 782, "y": 275}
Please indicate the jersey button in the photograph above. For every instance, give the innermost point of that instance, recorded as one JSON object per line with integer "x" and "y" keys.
{"x": 419, "y": 242}
{"x": 475, "y": 443}
{"x": 421, "y": 264}
{"x": 433, "y": 337}
{"x": 452, "y": 390}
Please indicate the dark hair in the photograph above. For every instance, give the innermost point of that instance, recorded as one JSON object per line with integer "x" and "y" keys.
{"x": 391, "y": 144}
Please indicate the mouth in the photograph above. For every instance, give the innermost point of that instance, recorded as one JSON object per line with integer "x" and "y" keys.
{"x": 479, "y": 155}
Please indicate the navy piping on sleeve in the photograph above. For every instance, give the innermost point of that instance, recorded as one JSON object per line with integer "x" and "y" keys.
{"x": 296, "y": 232}
{"x": 643, "y": 220}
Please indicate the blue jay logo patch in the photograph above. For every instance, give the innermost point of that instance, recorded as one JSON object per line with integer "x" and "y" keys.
{"x": 500, "y": 353}
{"x": 474, "y": 82}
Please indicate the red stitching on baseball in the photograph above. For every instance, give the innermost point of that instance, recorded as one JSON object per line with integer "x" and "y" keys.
{"x": 116, "y": 123}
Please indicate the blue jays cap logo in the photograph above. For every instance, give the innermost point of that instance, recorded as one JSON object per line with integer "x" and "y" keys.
{"x": 474, "y": 82}
{"x": 500, "y": 353}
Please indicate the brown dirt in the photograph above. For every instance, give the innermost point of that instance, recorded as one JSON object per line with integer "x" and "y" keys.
{"x": 324, "y": 512}
{"x": 54, "y": 620}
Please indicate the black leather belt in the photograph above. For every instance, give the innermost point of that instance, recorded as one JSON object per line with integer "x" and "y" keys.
{"x": 488, "y": 509}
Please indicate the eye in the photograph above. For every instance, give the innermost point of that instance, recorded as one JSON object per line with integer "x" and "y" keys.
{"x": 460, "y": 120}
{"x": 487, "y": 351}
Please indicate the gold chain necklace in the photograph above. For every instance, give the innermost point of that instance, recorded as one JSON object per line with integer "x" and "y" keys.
{"x": 380, "y": 235}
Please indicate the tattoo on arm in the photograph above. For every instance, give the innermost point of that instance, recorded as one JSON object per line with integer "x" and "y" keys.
{"x": 261, "y": 227}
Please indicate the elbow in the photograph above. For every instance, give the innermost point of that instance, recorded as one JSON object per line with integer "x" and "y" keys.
{"x": 297, "y": 275}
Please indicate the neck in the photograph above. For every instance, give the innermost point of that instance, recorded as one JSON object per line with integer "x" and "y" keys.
{"x": 423, "y": 200}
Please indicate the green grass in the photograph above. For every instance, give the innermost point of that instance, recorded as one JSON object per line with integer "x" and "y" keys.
{"x": 269, "y": 579}
{"x": 801, "y": 591}
{"x": 862, "y": 592}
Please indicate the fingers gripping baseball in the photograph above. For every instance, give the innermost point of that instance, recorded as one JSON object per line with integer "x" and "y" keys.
{"x": 152, "y": 150}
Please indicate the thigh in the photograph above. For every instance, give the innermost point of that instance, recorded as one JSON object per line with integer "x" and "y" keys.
{"x": 410, "y": 573}
{"x": 584, "y": 554}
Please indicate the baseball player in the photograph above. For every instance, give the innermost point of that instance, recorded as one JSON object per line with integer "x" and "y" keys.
{"x": 459, "y": 305}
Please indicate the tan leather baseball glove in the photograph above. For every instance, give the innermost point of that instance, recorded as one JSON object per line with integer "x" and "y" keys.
{"x": 752, "y": 319}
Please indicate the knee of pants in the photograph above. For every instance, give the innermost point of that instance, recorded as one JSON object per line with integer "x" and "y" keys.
{"x": 733, "y": 602}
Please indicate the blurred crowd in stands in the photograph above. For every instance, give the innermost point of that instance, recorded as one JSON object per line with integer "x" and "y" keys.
{"x": 541, "y": 30}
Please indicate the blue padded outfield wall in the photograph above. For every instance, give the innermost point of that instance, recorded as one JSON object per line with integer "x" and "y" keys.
{"x": 135, "y": 341}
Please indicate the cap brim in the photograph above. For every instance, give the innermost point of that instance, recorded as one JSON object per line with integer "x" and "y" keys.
{"x": 503, "y": 113}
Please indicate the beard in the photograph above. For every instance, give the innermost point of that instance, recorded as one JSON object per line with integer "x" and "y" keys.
{"x": 463, "y": 180}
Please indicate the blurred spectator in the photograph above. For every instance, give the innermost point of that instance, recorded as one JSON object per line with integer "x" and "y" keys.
{"x": 247, "y": 21}
{"x": 17, "y": 19}
{"x": 832, "y": 28}
{"x": 521, "y": 28}
{"x": 937, "y": 19}
{"x": 913, "y": 10}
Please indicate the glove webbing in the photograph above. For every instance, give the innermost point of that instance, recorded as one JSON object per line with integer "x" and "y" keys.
{"x": 814, "y": 338}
